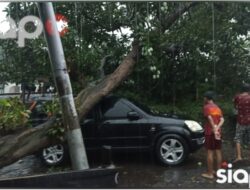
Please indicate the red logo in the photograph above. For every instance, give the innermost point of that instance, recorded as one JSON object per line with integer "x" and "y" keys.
{"x": 61, "y": 22}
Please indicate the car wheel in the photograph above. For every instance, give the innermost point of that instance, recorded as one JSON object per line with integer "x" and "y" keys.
{"x": 171, "y": 149}
{"x": 53, "y": 155}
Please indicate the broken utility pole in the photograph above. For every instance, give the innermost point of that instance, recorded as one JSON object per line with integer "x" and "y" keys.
{"x": 70, "y": 118}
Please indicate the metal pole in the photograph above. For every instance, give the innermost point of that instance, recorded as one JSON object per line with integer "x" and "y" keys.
{"x": 70, "y": 118}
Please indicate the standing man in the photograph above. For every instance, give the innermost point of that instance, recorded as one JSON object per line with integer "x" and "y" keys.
{"x": 242, "y": 105}
{"x": 213, "y": 122}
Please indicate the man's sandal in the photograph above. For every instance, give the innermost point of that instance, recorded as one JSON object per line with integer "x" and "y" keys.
{"x": 207, "y": 176}
{"x": 237, "y": 160}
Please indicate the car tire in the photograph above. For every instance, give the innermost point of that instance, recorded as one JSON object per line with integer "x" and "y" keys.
{"x": 53, "y": 155}
{"x": 171, "y": 149}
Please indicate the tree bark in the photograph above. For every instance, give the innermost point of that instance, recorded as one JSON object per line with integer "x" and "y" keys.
{"x": 16, "y": 146}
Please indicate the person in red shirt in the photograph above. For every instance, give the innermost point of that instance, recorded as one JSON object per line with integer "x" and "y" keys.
{"x": 242, "y": 105}
{"x": 213, "y": 122}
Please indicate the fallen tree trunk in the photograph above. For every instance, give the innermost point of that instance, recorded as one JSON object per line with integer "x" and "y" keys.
{"x": 91, "y": 95}
{"x": 16, "y": 146}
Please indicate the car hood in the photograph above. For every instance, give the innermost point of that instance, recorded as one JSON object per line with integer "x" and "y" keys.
{"x": 176, "y": 116}
{"x": 166, "y": 120}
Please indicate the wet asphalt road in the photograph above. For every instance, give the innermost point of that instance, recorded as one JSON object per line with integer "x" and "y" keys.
{"x": 140, "y": 170}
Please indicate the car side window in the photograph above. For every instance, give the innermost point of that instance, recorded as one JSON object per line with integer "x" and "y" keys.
{"x": 115, "y": 109}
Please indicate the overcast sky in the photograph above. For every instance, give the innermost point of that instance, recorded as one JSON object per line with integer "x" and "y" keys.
{"x": 3, "y": 27}
{"x": 2, "y": 7}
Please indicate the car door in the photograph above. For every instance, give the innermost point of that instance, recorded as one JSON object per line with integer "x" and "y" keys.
{"x": 116, "y": 129}
{"x": 90, "y": 132}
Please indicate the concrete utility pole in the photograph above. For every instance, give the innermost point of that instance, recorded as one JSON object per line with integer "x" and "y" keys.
{"x": 70, "y": 118}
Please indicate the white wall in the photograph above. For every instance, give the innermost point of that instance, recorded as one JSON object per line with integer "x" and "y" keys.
{"x": 12, "y": 88}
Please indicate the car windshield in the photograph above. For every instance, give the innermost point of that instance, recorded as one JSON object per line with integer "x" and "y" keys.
{"x": 143, "y": 107}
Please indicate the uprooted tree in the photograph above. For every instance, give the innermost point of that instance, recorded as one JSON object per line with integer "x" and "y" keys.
{"x": 15, "y": 146}
{"x": 164, "y": 42}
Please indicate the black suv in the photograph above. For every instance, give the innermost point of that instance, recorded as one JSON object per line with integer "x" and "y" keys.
{"x": 125, "y": 125}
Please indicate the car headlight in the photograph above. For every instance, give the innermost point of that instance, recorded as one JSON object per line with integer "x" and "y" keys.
{"x": 193, "y": 125}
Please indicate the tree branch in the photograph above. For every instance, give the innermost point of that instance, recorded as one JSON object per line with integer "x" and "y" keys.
{"x": 169, "y": 21}
{"x": 103, "y": 63}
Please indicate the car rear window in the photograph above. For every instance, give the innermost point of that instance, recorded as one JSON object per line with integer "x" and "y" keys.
{"x": 114, "y": 108}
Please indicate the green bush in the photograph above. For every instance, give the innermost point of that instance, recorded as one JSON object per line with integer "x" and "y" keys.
{"x": 52, "y": 108}
{"x": 13, "y": 114}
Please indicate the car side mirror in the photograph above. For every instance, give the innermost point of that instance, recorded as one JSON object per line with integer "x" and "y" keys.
{"x": 132, "y": 115}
